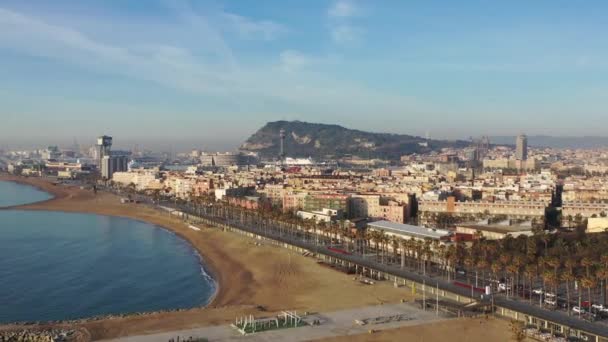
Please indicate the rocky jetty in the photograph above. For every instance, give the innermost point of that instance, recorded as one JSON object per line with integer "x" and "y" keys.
{"x": 52, "y": 335}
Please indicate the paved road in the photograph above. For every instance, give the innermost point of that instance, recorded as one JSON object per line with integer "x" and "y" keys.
{"x": 338, "y": 323}
{"x": 276, "y": 234}
{"x": 442, "y": 283}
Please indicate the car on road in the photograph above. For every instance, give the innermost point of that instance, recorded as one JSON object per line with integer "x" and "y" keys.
{"x": 504, "y": 287}
{"x": 599, "y": 307}
{"x": 550, "y": 301}
{"x": 578, "y": 309}
{"x": 538, "y": 291}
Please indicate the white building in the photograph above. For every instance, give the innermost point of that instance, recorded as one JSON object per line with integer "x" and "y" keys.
{"x": 143, "y": 180}
{"x": 324, "y": 215}
{"x": 112, "y": 164}
{"x": 408, "y": 231}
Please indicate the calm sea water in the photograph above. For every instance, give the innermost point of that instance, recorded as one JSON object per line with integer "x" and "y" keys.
{"x": 57, "y": 265}
{"x": 16, "y": 194}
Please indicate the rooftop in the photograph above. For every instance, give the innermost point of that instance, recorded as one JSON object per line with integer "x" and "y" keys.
{"x": 497, "y": 228}
{"x": 408, "y": 229}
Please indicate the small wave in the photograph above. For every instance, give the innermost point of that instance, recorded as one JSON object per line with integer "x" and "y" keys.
{"x": 208, "y": 278}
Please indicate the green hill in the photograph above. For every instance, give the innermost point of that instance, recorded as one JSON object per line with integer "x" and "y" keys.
{"x": 321, "y": 141}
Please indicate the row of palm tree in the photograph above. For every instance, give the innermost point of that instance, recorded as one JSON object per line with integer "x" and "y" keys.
{"x": 555, "y": 261}
{"x": 551, "y": 260}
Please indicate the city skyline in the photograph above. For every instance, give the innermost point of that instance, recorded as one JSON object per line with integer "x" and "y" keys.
{"x": 187, "y": 72}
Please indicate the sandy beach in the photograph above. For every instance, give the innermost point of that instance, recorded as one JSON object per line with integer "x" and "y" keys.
{"x": 249, "y": 276}
{"x": 457, "y": 330}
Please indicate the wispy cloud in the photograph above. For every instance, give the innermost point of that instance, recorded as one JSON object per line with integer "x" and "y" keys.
{"x": 292, "y": 60}
{"x": 343, "y": 9}
{"x": 344, "y": 33}
{"x": 291, "y": 81}
{"x": 250, "y": 29}
{"x": 341, "y": 28}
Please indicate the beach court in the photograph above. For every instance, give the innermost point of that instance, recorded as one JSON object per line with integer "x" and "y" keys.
{"x": 336, "y": 323}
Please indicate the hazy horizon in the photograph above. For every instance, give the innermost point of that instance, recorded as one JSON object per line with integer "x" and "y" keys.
{"x": 212, "y": 72}
{"x": 172, "y": 144}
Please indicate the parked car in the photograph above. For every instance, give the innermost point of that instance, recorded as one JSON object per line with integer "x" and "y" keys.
{"x": 562, "y": 303}
{"x": 538, "y": 291}
{"x": 550, "y": 301}
{"x": 578, "y": 309}
{"x": 599, "y": 307}
{"x": 504, "y": 287}
{"x": 550, "y": 295}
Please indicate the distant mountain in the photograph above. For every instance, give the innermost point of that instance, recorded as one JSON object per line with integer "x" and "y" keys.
{"x": 555, "y": 142}
{"x": 321, "y": 141}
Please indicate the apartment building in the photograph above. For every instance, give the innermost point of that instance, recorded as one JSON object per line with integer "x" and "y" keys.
{"x": 511, "y": 209}
{"x": 377, "y": 207}
{"x": 584, "y": 209}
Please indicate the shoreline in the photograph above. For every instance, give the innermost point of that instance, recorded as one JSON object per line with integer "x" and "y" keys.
{"x": 207, "y": 269}
{"x": 20, "y": 181}
{"x": 253, "y": 277}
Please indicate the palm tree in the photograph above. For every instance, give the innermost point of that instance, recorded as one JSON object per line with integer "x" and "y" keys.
{"x": 531, "y": 247}
{"x": 548, "y": 279}
{"x": 545, "y": 238}
{"x": 602, "y": 274}
{"x": 383, "y": 245}
{"x": 567, "y": 277}
{"x": 367, "y": 240}
{"x": 395, "y": 244}
{"x": 413, "y": 245}
{"x": 376, "y": 237}
{"x": 426, "y": 253}
{"x": 518, "y": 262}
{"x": 588, "y": 282}
{"x": 496, "y": 268}
{"x": 552, "y": 280}
{"x": 555, "y": 264}
{"x": 586, "y": 262}
{"x": 483, "y": 264}
{"x": 531, "y": 270}
{"x": 513, "y": 270}
{"x": 418, "y": 253}
{"x": 441, "y": 252}
{"x": 505, "y": 260}
{"x": 604, "y": 262}
{"x": 451, "y": 258}
{"x": 402, "y": 246}
{"x": 469, "y": 262}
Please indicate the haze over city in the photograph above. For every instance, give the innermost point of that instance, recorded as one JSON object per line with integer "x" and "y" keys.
{"x": 208, "y": 73}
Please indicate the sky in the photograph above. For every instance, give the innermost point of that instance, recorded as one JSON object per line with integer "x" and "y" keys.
{"x": 210, "y": 73}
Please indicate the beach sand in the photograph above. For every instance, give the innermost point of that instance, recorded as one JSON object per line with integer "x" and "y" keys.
{"x": 457, "y": 330}
{"x": 248, "y": 275}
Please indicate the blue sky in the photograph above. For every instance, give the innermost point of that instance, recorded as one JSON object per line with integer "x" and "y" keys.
{"x": 212, "y": 72}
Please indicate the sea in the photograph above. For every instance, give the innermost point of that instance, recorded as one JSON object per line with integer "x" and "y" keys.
{"x": 63, "y": 266}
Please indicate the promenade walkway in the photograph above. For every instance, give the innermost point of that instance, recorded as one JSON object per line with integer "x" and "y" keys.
{"x": 338, "y": 323}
